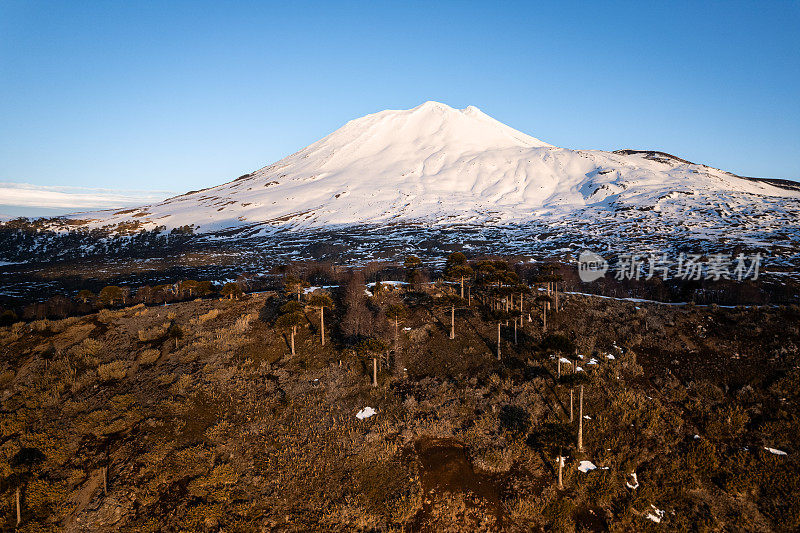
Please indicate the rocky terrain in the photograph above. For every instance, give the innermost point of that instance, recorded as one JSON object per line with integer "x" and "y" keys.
{"x": 197, "y": 415}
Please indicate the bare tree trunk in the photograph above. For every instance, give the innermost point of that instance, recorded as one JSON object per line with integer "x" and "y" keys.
{"x": 498, "y": 340}
{"x": 469, "y": 297}
{"x": 462, "y": 286}
{"x": 453, "y": 322}
{"x": 560, "y": 469}
{"x": 19, "y": 508}
{"x": 293, "y": 341}
{"x": 580, "y": 420}
{"x": 556, "y": 295}
{"x": 571, "y": 391}
{"x": 544, "y": 319}
{"x": 374, "y": 371}
{"x": 322, "y": 323}
{"x": 515, "y": 330}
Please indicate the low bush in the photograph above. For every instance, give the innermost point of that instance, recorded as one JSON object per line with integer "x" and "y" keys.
{"x": 148, "y": 357}
{"x": 113, "y": 371}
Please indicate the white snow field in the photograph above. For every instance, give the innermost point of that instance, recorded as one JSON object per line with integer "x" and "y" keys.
{"x": 437, "y": 165}
{"x": 431, "y": 179}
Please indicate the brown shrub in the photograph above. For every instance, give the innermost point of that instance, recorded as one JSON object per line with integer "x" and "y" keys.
{"x": 113, "y": 371}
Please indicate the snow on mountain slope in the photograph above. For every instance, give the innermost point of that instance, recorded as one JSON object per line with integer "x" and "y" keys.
{"x": 437, "y": 165}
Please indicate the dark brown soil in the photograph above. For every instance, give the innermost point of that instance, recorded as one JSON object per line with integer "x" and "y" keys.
{"x": 445, "y": 468}
{"x": 590, "y": 519}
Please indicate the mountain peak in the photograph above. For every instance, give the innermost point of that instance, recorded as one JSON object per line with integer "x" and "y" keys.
{"x": 436, "y": 164}
{"x": 432, "y": 105}
{"x": 432, "y": 124}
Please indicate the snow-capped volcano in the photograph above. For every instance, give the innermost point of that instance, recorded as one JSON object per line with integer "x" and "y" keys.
{"x": 434, "y": 164}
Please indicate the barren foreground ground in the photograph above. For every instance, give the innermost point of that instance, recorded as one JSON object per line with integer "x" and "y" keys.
{"x": 220, "y": 428}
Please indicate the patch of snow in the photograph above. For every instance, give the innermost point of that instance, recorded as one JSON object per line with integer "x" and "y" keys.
{"x": 635, "y": 484}
{"x": 609, "y": 356}
{"x": 656, "y": 515}
{"x": 586, "y": 466}
{"x": 579, "y": 369}
{"x": 394, "y": 283}
{"x": 366, "y": 413}
{"x": 309, "y": 290}
{"x": 775, "y": 451}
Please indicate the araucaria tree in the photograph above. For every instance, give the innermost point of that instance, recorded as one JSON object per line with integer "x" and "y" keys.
{"x": 561, "y": 345}
{"x": 457, "y": 269}
{"x": 452, "y": 301}
{"x": 372, "y": 348}
{"x": 576, "y": 379}
{"x": 396, "y": 312}
{"x": 499, "y": 316}
{"x": 554, "y": 437}
{"x": 112, "y": 294}
{"x": 175, "y": 332}
{"x": 413, "y": 267}
{"x": 523, "y": 290}
{"x": 544, "y": 301}
{"x": 551, "y": 279}
{"x": 321, "y": 301}
{"x": 23, "y": 463}
{"x": 85, "y": 296}
{"x": 291, "y": 318}
{"x": 294, "y": 286}
{"x": 231, "y": 290}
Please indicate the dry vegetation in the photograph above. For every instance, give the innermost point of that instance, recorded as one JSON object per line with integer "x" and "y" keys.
{"x": 218, "y": 427}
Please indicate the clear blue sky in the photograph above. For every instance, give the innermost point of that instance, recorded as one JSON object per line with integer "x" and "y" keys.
{"x": 183, "y": 95}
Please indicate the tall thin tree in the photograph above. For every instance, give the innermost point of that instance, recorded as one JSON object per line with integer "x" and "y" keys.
{"x": 321, "y": 302}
